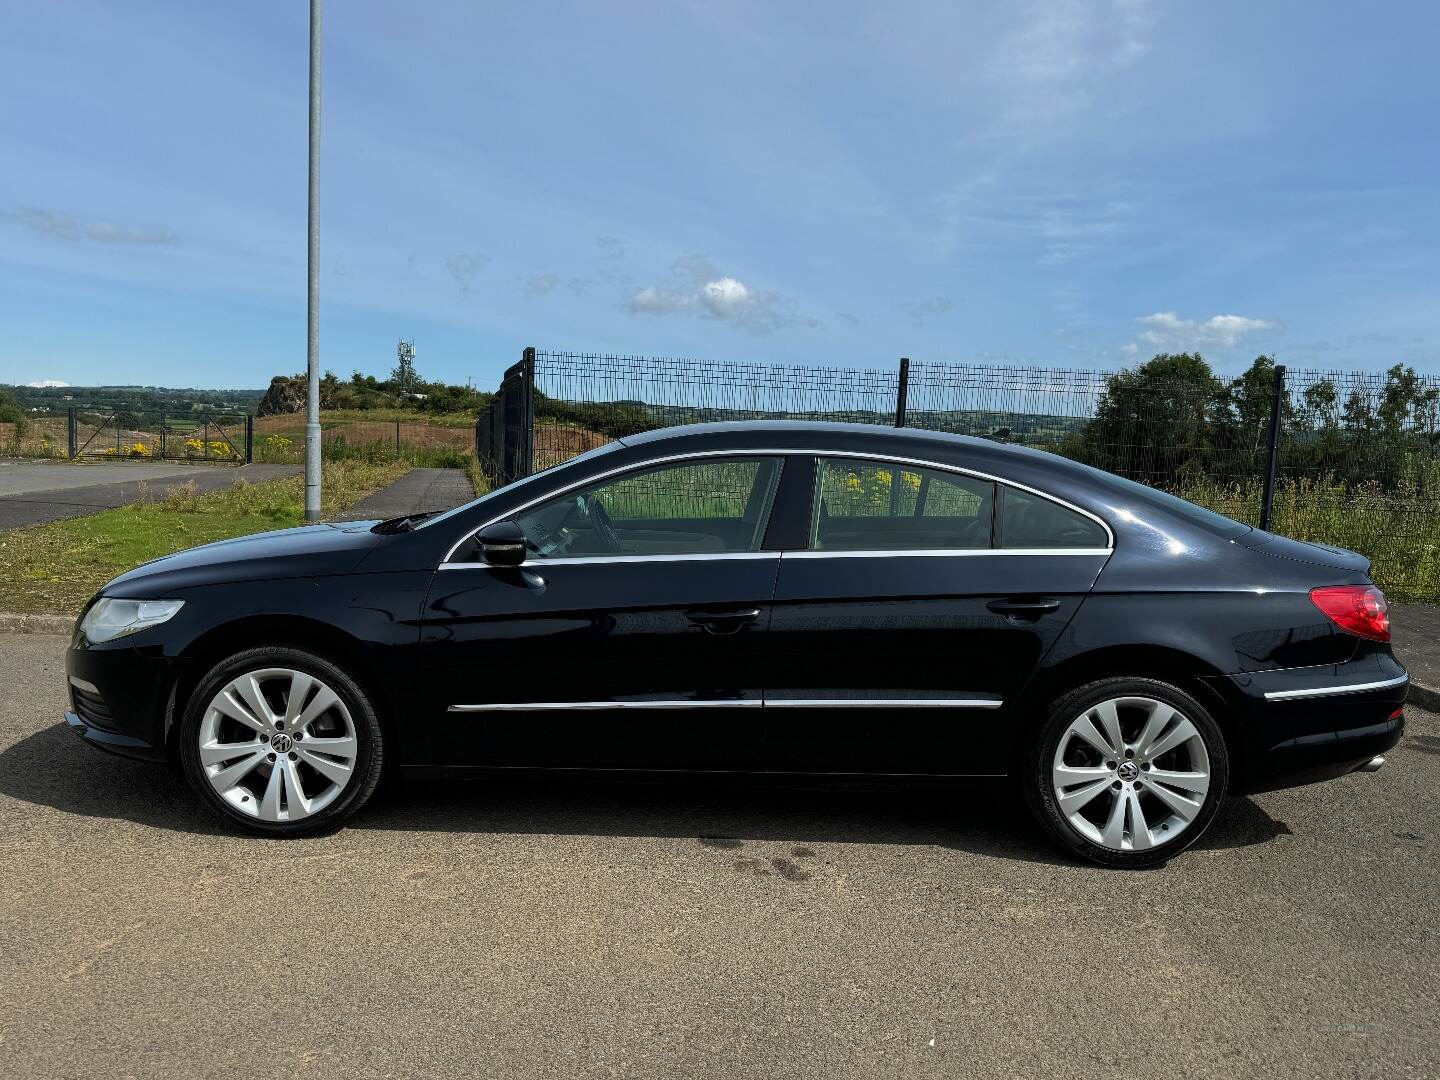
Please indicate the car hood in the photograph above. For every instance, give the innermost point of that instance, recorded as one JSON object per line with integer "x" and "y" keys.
{"x": 1301, "y": 551}
{"x": 304, "y": 551}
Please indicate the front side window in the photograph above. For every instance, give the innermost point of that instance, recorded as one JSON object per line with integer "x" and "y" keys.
{"x": 874, "y": 506}
{"x": 691, "y": 507}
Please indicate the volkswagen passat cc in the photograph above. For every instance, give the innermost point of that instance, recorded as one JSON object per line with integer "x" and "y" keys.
{"x": 787, "y": 598}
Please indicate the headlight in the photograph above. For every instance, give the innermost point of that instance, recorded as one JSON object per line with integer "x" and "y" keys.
{"x": 109, "y": 619}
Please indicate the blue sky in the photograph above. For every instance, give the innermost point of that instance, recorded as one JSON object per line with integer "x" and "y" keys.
{"x": 1064, "y": 183}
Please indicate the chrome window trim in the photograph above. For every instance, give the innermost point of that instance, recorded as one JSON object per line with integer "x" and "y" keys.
{"x": 910, "y": 553}
{"x": 735, "y": 703}
{"x": 1331, "y": 691}
{"x": 598, "y": 560}
{"x": 893, "y": 459}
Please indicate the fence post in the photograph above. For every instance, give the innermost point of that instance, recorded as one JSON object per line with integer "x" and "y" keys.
{"x": 902, "y": 391}
{"x": 70, "y": 430}
{"x": 162, "y": 437}
{"x": 1272, "y": 456}
{"x": 249, "y": 439}
{"x": 527, "y": 423}
{"x": 397, "y": 440}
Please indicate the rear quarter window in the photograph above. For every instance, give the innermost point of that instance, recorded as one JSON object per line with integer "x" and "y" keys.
{"x": 1032, "y": 521}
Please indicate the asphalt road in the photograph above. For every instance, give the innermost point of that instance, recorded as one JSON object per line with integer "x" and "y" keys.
{"x": 698, "y": 931}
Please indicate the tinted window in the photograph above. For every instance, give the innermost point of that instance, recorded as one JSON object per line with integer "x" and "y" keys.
{"x": 1029, "y": 521}
{"x": 873, "y": 506}
{"x": 684, "y": 508}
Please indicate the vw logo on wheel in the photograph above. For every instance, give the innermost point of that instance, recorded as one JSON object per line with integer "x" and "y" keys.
{"x": 282, "y": 743}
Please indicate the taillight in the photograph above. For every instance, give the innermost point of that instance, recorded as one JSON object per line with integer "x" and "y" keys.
{"x": 1356, "y": 609}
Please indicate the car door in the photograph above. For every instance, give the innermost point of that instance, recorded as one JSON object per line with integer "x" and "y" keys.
{"x": 629, "y": 636}
{"x": 924, "y": 599}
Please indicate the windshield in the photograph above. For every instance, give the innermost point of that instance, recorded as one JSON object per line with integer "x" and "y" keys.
{"x": 599, "y": 450}
{"x": 1216, "y": 524}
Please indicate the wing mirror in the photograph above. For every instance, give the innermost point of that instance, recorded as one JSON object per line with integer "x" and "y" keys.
{"x": 501, "y": 544}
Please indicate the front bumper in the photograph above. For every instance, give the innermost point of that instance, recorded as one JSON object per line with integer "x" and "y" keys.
{"x": 1301, "y": 725}
{"x": 120, "y": 697}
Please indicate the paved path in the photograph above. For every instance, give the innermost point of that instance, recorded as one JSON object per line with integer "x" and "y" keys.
{"x": 697, "y": 930}
{"x": 417, "y": 491}
{"x": 34, "y": 494}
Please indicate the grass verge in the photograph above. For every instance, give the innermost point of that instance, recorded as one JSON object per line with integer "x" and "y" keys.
{"x": 53, "y": 569}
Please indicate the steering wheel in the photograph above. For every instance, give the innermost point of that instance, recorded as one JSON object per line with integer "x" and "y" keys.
{"x": 600, "y": 521}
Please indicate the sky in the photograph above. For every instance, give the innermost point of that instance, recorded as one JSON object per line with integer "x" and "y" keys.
{"x": 1068, "y": 184}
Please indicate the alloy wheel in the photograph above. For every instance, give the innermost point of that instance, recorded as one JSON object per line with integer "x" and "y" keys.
{"x": 278, "y": 744}
{"x": 1130, "y": 773}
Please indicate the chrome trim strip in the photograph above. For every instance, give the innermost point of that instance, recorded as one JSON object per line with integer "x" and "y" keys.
{"x": 592, "y": 560}
{"x": 1331, "y": 691}
{"x": 878, "y": 553}
{"x": 736, "y": 703}
{"x": 88, "y": 687}
{"x": 550, "y": 706}
{"x": 886, "y": 703}
{"x": 786, "y": 451}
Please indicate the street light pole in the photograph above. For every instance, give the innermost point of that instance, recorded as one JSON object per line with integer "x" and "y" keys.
{"x": 312, "y": 273}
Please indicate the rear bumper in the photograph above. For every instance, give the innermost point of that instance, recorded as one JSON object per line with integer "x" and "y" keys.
{"x": 1301, "y": 725}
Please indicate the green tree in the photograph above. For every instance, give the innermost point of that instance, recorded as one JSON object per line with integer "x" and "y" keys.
{"x": 1158, "y": 422}
{"x": 12, "y": 413}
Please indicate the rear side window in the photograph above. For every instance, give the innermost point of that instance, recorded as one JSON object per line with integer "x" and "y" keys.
{"x": 1029, "y": 521}
{"x": 874, "y": 506}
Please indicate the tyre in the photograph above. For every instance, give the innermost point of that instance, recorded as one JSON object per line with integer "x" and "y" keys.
{"x": 1126, "y": 772}
{"x": 281, "y": 742}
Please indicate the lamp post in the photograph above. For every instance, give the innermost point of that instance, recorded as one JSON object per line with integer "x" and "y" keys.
{"x": 312, "y": 273}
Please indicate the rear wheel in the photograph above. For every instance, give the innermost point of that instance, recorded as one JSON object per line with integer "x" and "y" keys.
{"x": 1127, "y": 772}
{"x": 281, "y": 741}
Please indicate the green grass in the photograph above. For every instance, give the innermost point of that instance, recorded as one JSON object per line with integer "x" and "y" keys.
{"x": 54, "y": 569}
{"x": 1399, "y": 531}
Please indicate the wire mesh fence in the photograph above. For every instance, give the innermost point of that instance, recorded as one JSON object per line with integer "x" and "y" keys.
{"x": 1357, "y": 454}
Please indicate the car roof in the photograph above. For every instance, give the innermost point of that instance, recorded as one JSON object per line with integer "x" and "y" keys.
{"x": 920, "y": 443}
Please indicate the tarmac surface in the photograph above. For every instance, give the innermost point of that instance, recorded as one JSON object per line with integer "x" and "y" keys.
{"x": 417, "y": 491}
{"x": 569, "y": 929}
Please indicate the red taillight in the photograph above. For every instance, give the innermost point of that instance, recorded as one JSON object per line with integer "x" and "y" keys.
{"x": 1356, "y": 609}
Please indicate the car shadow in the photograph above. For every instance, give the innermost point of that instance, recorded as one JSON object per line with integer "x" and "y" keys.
{"x": 50, "y": 769}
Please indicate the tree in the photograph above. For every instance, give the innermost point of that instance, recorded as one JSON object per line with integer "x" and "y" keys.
{"x": 1157, "y": 423}
{"x": 12, "y": 413}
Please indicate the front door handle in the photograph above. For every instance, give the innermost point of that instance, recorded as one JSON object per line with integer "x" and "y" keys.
{"x": 723, "y": 622}
{"x": 1028, "y": 608}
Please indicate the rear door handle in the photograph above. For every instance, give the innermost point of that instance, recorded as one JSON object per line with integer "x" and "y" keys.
{"x": 1024, "y": 609}
{"x": 723, "y": 622}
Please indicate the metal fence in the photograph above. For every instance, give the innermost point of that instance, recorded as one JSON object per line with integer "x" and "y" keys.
{"x": 87, "y": 434}
{"x": 1355, "y": 457}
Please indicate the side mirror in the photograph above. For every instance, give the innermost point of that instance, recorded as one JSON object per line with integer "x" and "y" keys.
{"x": 501, "y": 544}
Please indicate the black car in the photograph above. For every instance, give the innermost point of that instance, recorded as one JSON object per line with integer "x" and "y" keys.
{"x": 786, "y": 598}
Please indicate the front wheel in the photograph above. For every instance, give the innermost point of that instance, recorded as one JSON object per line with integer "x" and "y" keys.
{"x": 281, "y": 741}
{"x": 1127, "y": 772}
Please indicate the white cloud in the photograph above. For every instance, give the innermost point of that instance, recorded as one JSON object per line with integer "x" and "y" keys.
{"x": 42, "y": 384}
{"x": 920, "y": 310}
{"x": 1167, "y": 330}
{"x": 60, "y": 226}
{"x": 700, "y": 291}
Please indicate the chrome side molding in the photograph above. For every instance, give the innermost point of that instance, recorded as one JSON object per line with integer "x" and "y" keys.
{"x": 735, "y": 703}
{"x": 1331, "y": 691}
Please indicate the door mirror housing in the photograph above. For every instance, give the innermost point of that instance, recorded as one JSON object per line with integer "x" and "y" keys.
{"x": 501, "y": 544}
